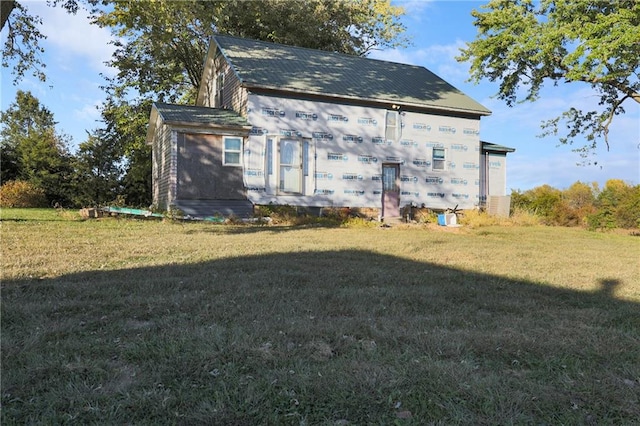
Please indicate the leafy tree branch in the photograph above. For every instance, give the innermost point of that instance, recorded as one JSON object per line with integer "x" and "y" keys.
{"x": 522, "y": 45}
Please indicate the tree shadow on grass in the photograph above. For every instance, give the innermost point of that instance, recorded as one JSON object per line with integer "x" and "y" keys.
{"x": 316, "y": 337}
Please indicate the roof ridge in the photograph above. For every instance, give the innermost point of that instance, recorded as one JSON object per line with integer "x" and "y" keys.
{"x": 333, "y": 52}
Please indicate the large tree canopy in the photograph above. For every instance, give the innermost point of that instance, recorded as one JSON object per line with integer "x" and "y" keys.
{"x": 524, "y": 44}
{"x": 21, "y": 50}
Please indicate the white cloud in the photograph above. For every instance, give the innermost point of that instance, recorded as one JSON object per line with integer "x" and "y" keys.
{"x": 89, "y": 111}
{"x": 393, "y": 55}
{"x": 74, "y": 37}
{"x": 438, "y": 58}
{"x": 414, "y": 8}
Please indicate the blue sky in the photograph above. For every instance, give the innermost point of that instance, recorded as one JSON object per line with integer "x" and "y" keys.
{"x": 76, "y": 52}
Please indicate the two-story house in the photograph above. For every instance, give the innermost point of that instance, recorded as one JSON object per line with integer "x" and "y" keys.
{"x": 288, "y": 125}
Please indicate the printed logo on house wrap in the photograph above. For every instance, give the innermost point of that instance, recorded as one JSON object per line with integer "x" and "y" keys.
{"x": 376, "y": 178}
{"x": 452, "y": 165}
{"x": 357, "y": 192}
{"x": 459, "y": 147}
{"x": 273, "y": 112}
{"x": 258, "y": 131}
{"x": 412, "y": 179}
{"x": 334, "y": 118}
{"x": 409, "y": 194}
{"x": 376, "y": 192}
{"x": 408, "y": 143}
{"x": 421, "y": 127}
{"x": 434, "y": 180}
{"x": 352, "y": 139}
{"x": 290, "y": 133}
{"x": 254, "y": 173}
{"x": 323, "y": 191}
{"x": 337, "y": 156}
{"x": 460, "y": 196}
{"x": 306, "y": 115}
{"x": 477, "y": 182}
{"x": 367, "y": 159}
{"x": 447, "y": 129}
{"x": 256, "y": 189}
{"x": 377, "y": 140}
{"x": 365, "y": 121}
{"x": 322, "y": 135}
{"x": 351, "y": 176}
{"x": 470, "y": 165}
{"x": 458, "y": 181}
{"x": 435, "y": 194}
{"x": 434, "y": 145}
{"x": 469, "y": 132}
{"x": 324, "y": 176}
{"x": 494, "y": 164}
{"x": 421, "y": 162}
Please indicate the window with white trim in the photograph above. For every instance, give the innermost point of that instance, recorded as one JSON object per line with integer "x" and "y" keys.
{"x": 439, "y": 159}
{"x": 232, "y": 155}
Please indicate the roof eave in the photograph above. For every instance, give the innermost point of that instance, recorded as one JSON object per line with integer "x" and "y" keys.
{"x": 153, "y": 117}
{"x": 192, "y": 124}
{"x": 484, "y": 112}
{"x": 491, "y": 147}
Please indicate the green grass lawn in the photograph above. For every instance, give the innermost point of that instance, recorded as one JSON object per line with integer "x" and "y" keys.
{"x": 146, "y": 322}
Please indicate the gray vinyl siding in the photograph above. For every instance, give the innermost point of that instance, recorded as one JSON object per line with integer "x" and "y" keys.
{"x": 201, "y": 174}
{"x": 163, "y": 167}
{"x": 234, "y": 95}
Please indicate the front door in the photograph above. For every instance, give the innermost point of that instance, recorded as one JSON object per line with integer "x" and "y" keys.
{"x": 390, "y": 190}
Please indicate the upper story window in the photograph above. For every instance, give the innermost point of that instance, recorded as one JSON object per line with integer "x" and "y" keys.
{"x": 392, "y": 127}
{"x": 232, "y": 155}
{"x": 219, "y": 89}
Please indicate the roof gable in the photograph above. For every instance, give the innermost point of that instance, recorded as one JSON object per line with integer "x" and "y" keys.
{"x": 265, "y": 65}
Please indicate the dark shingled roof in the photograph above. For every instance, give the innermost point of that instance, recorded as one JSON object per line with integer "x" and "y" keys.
{"x": 200, "y": 115}
{"x": 265, "y": 65}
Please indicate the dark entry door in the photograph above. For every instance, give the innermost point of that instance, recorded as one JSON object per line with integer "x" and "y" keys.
{"x": 390, "y": 190}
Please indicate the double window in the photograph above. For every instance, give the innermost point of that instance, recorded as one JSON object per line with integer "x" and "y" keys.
{"x": 291, "y": 163}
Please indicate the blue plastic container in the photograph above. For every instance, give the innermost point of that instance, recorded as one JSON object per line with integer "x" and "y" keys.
{"x": 442, "y": 220}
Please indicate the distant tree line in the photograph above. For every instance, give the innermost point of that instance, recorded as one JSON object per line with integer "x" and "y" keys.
{"x": 38, "y": 170}
{"x": 616, "y": 205}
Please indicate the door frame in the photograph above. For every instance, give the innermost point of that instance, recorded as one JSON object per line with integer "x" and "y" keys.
{"x": 396, "y": 190}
